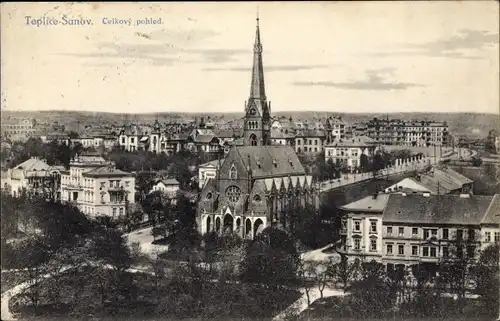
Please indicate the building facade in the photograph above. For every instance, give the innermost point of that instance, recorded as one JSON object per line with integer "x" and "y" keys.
{"x": 407, "y": 229}
{"x": 349, "y": 152}
{"x": 96, "y": 187}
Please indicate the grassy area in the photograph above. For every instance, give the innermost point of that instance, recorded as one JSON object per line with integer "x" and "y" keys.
{"x": 172, "y": 298}
{"x": 338, "y": 309}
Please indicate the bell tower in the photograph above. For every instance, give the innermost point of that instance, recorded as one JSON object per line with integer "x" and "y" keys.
{"x": 257, "y": 120}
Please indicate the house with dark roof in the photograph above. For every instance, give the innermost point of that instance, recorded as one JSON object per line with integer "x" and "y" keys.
{"x": 349, "y": 152}
{"x": 438, "y": 180}
{"x": 407, "y": 229}
{"x": 166, "y": 186}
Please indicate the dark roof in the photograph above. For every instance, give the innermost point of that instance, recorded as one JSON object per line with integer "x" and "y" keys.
{"x": 436, "y": 209}
{"x": 357, "y": 141}
{"x": 205, "y": 138}
{"x": 493, "y": 213}
{"x": 271, "y": 161}
{"x": 106, "y": 172}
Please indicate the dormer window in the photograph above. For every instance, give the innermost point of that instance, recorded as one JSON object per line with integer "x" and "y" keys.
{"x": 233, "y": 173}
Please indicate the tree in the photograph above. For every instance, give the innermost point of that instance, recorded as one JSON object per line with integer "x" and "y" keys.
{"x": 271, "y": 258}
{"x": 477, "y": 161}
{"x": 486, "y": 276}
{"x": 345, "y": 272}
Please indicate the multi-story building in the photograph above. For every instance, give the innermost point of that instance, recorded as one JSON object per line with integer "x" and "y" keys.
{"x": 167, "y": 186}
{"x": 96, "y": 187}
{"x": 309, "y": 141}
{"x": 207, "y": 171}
{"x": 17, "y": 129}
{"x": 335, "y": 128}
{"x": 408, "y": 229}
{"x": 33, "y": 176}
{"x": 349, "y": 152}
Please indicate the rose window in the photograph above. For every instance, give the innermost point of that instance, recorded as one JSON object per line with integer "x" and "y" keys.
{"x": 233, "y": 193}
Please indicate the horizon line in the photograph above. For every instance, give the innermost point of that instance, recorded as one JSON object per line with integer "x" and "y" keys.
{"x": 242, "y": 112}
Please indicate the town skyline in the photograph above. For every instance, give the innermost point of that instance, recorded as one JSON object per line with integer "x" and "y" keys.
{"x": 97, "y": 68}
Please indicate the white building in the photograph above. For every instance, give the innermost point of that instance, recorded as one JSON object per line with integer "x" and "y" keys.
{"x": 97, "y": 187}
{"x": 33, "y": 176}
{"x": 168, "y": 187}
{"x": 349, "y": 151}
{"x": 207, "y": 171}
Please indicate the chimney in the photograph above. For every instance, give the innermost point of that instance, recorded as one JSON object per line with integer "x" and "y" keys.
{"x": 464, "y": 195}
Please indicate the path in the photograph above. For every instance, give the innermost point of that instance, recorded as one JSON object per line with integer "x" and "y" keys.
{"x": 301, "y": 304}
{"x": 145, "y": 240}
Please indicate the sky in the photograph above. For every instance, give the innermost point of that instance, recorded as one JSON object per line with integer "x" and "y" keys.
{"x": 338, "y": 56}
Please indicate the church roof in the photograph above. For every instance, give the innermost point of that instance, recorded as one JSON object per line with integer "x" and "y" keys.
{"x": 271, "y": 161}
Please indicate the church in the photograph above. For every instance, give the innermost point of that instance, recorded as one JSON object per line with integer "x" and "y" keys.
{"x": 258, "y": 183}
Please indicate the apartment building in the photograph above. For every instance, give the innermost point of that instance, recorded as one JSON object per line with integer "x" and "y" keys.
{"x": 17, "y": 129}
{"x": 349, "y": 151}
{"x": 406, "y": 229}
{"x": 309, "y": 141}
{"x": 96, "y": 187}
{"x": 335, "y": 128}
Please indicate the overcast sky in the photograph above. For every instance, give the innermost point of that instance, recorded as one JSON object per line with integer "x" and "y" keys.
{"x": 345, "y": 57}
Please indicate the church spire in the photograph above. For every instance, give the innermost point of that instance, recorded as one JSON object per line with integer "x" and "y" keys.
{"x": 258, "y": 88}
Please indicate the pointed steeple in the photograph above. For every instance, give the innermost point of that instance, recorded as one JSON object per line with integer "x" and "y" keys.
{"x": 258, "y": 88}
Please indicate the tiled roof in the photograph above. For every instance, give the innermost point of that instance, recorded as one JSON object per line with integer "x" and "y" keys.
{"x": 214, "y": 163}
{"x": 168, "y": 181}
{"x": 271, "y": 161}
{"x": 358, "y": 141}
{"x": 436, "y": 209}
{"x": 493, "y": 213}
{"x": 106, "y": 172}
{"x": 370, "y": 203}
{"x": 32, "y": 164}
{"x": 204, "y": 138}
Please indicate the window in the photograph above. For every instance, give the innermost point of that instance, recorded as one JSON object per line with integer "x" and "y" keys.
{"x": 373, "y": 226}
{"x": 471, "y": 250}
{"x": 373, "y": 245}
{"x": 121, "y": 210}
{"x": 471, "y": 234}
{"x": 414, "y": 250}
{"x": 487, "y": 237}
{"x": 114, "y": 211}
{"x": 460, "y": 234}
{"x": 310, "y": 141}
{"x": 497, "y": 237}
{"x": 123, "y": 140}
{"x": 132, "y": 140}
{"x": 257, "y": 198}
{"x": 315, "y": 142}
{"x": 233, "y": 194}
{"x": 357, "y": 226}
{"x": 434, "y": 232}
{"x": 433, "y": 252}
{"x": 426, "y": 233}
{"x": 401, "y": 231}
{"x": 389, "y": 249}
{"x": 414, "y": 231}
{"x": 357, "y": 244}
{"x": 389, "y": 230}
{"x": 425, "y": 251}
{"x": 401, "y": 249}
{"x": 233, "y": 173}
{"x": 445, "y": 234}
{"x": 446, "y": 251}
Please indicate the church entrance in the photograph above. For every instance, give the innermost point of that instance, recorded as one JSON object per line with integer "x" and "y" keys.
{"x": 228, "y": 225}
{"x": 258, "y": 226}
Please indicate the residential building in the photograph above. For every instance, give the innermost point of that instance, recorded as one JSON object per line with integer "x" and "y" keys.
{"x": 335, "y": 128}
{"x": 17, "y": 129}
{"x": 96, "y": 187}
{"x": 309, "y": 141}
{"x": 33, "y": 176}
{"x": 167, "y": 186}
{"x": 348, "y": 152}
{"x": 408, "y": 229}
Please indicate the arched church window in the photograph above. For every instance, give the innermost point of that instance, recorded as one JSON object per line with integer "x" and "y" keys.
{"x": 257, "y": 198}
{"x": 209, "y": 196}
{"x": 233, "y": 173}
{"x": 253, "y": 140}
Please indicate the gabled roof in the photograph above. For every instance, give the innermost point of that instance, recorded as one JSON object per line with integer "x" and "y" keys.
{"x": 32, "y": 164}
{"x": 370, "y": 203}
{"x": 357, "y": 141}
{"x": 436, "y": 209}
{"x": 271, "y": 161}
{"x": 167, "y": 181}
{"x": 106, "y": 172}
{"x": 202, "y": 138}
{"x": 493, "y": 213}
{"x": 214, "y": 163}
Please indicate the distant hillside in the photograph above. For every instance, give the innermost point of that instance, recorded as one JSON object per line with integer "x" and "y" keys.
{"x": 470, "y": 124}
